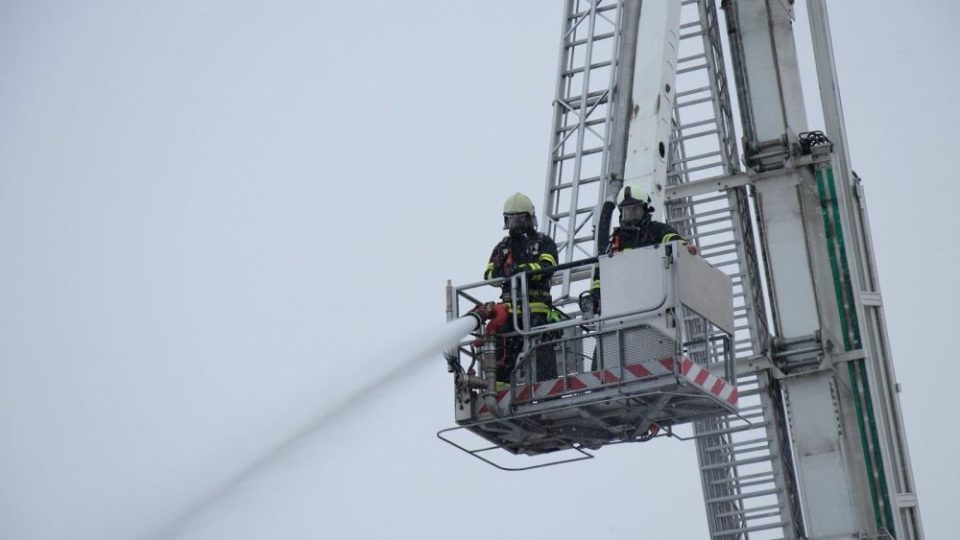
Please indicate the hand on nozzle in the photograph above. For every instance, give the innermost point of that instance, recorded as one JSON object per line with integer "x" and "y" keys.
{"x": 485, "y": 311}
{"x": 481, "y": 311}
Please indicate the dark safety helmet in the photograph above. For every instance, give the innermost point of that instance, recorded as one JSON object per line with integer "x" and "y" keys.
{"x": 634, "y": 204}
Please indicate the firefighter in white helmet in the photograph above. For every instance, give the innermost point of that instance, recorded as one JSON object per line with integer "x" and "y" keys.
{"x": 524, "y": 249}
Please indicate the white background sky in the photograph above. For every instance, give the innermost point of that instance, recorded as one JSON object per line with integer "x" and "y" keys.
{"x": 217, "y": 217}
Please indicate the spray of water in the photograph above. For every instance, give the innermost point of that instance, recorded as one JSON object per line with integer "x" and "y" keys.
{"x": 434, "y": 343}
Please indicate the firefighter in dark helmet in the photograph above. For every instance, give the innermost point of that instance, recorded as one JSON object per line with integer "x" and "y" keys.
{"x": 637, "y": 229}
{"x": 524, "y": 249}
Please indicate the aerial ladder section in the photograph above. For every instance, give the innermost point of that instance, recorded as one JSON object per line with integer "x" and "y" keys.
{"x": 852, "y": 474}
{"x": 813, "y": 445}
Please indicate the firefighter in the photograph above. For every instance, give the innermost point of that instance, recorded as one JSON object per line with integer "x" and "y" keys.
{"x": 637, "y": 229}
{"x": 524, "y": 249}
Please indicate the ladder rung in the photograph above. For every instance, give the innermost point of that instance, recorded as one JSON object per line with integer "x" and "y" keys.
{"x": 584, "y": 13}
{"x": 736, "y": 532}
{"x": 751, "y": 449}
{"x": 691, "y": 59}
{"x": 725, "y": 431}
{"x": 575, "y": 103}
{"x": 568, "y": 185}
{"x": 698, "y": 134}
{"x": 588, "y": 123}
{"x": 746, "y": 393}
{"x": 591, "y": 67}
{"x": 776, "y": 514}
{"x": 587, "y": 152}
{"x": 584, "y": 41}
{"x": 743, "y": 513}
{"x": 579, "y": 211}
{"x": 746, "y": 417}
{"x": 708, "y": 256}
{"x": 698, "y": 157}
{"x": 755, "y": 476}
{"x": 723, "y": 251}
{"x": 736, "y": 444}
{"x": 724, "y": 244}
{"x": 695, "y": 169}
{"x": 699, "y": 206}
{"x": 690, "y": 69}
{"x": 744, "y": 450}
{"x": 700, "y": 223}
{"x": 743, "y": 496}
{"x": 679, "y": 105}
{"x": 755, "y": 483}
{"x": 709, "y": 198}
{"x": 725, "y": 263}
{"x": 710, "y": 233}
{"x": 698, "y": 123}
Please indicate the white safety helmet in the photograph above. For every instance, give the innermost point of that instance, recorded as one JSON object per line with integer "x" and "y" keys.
{"x": 518, "y": 203}
{"x": 632, "y": 194}
{"x": 518, "y": 214}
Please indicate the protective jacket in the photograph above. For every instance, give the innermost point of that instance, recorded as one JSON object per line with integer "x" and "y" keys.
{"x": 529, "y": 250}
{"x": 631, "y": 237}
{"x": 526, "y": 251}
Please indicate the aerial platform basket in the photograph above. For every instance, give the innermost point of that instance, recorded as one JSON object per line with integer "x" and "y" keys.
{"x": 659, "y": 356}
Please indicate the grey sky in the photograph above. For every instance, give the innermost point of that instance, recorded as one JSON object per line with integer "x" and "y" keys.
{"x": 216, "y": 218}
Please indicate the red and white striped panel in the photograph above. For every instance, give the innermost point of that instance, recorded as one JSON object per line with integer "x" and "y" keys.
{"x": 709, "y": 382}
{"x": 664, "y": 366}
{"x": 694, "y": 373}
{"x": 594, "y": 379}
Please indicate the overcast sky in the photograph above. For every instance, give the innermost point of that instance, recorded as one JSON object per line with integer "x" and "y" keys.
{"x": 217, "y": 218}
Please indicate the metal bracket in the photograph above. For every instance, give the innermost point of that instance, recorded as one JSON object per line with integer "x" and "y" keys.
{"x": 752, "y": 364}
{"x": 476, "y": 453}
{"x": 707, "y": 185}
{"x": 670, "y": 432}
{"x": 872, "y": 299}
{"x": 849, "y": 356}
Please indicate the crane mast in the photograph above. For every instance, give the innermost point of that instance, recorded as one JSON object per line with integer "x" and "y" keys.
{"x": 818, "y": 448}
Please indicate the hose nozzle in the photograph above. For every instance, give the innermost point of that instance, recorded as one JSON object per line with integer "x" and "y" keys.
{"x": 496, "y": 314}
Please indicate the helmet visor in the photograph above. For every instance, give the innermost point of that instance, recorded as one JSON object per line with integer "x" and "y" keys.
{"x": 516, "y": 222}
{"x": 633, "y": 213}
